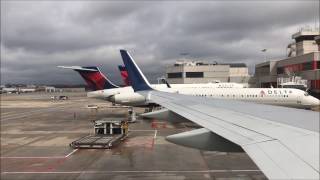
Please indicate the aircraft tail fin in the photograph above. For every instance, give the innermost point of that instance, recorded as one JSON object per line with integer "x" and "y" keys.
{"x": 138, "y": 81}
{"x": 93, "y": 77}
{"x": 124, "y": 75}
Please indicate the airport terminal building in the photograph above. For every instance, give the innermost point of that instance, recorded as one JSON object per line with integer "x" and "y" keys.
{"x": 303, "y": 60}
{"x": 189, "y": 72}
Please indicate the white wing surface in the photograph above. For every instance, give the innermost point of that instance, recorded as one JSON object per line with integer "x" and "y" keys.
{"x": 283, "y": 142}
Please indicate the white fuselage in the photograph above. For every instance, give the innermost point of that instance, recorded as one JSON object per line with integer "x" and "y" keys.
{"x": 27, "y": 90}
{"x": 273, "y": 96}
{"x": 108, "y": 93}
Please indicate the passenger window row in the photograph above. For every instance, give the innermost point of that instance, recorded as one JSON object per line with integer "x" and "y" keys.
{"x": 251, "y": 96}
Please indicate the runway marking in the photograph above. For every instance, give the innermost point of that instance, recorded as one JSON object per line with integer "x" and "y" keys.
{"x": 25, "y": 114}
{"x": 34, "y": 112}
{"x": 71, "y": 153}
{"x": 35, "y": 157}
{"x": 142, "y": 130}
{"x": 21, "y": 113}
{"x": 153, "y": 142}
{"x": 45, "y": 132}
{"x": 114, "y": 106}
{"x": 155, "y": 134}
{"x": 39, "y": 157}
{"x": 152, "y": 171}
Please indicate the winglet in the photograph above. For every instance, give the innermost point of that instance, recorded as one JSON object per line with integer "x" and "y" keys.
{"x": 138, "y": 81}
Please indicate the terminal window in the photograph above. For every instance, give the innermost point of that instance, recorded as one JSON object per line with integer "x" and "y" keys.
{"x": 175, "y": 75}
{"x": 194, "y": 74}
{"x": 280, "y": 70}
{"x": 308, "y": 66}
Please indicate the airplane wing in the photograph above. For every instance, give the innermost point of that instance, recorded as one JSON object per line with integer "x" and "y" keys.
{"x": 283, "y": 142}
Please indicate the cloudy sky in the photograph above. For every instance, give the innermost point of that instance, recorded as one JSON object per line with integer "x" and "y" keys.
{"x": 36, "y": 36}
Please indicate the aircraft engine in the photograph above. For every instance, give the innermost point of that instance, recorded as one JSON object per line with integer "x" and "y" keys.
{"x": 166, "y": 115}
{"x": 204, "y": 139}
{"x": 129, "y": 99}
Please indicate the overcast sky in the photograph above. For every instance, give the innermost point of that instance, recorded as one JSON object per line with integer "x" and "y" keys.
{"x": 37, "y": 36}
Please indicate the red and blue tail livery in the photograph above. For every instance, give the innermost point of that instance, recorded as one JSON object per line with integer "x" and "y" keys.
{"x": 124, "y": 75}
{"x": 93, "y": 77}
{"x": 137, "y": 79}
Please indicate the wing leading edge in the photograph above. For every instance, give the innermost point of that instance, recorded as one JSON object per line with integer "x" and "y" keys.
{"x": 281, "y": 149}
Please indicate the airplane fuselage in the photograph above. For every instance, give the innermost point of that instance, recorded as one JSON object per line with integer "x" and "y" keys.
{"x": 108, "y": 93}
{"x": 273, "y": 96}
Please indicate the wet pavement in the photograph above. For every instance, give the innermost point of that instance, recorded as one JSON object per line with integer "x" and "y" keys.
{"x": 36, "y": 133}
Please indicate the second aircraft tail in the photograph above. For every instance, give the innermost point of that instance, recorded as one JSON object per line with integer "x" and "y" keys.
{"x": 124, "y": 75}
{"x": 93, "y": 77}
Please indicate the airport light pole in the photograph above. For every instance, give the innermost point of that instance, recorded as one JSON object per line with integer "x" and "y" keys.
{"x": 265, "y": 54}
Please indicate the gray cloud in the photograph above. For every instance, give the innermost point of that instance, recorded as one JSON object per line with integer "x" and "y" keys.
{"x": 37, "y": 36}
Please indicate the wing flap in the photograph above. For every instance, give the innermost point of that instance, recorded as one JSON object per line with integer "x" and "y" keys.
{"x": 263, "y": 161}
{"x": 233, "y": 133}
{"x": 279, "y": 162}
{"x": 306, "y": 147}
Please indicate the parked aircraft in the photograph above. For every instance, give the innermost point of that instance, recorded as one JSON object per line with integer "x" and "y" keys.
{"x": 9, "y": 90}
{"x": 273, "y": 96}
{"x": 283, "y": 142}
{"x": 288, "y": 97}
{"x": 105, "y": 89}
{"x": 27, "y": 90}
{"x": 93, "y": 77}
{"x": 124, "y": 75}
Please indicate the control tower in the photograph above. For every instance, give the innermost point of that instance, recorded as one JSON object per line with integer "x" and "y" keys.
{"x": 304, "y": 42}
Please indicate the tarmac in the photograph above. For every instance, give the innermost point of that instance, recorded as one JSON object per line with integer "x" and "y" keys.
{"x": 36, "y": 132}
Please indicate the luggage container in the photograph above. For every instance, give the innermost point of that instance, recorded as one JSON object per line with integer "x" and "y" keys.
{"x": 107, "y": 134}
